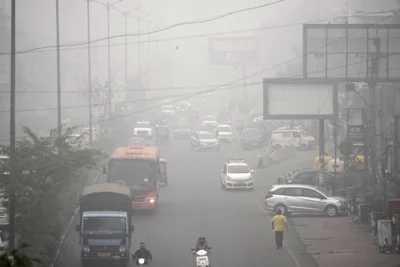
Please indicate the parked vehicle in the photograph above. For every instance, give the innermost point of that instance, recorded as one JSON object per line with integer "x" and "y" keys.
{"x": 251, "y": 138}
{"x": 292, "y": 138}
{"x": 305, "y": 199}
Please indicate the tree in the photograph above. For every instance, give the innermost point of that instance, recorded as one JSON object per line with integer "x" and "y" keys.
{"x": 45, "y": 167}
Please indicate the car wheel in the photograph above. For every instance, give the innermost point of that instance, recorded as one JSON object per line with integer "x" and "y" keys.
{"x": 282, "y": 208}
{"x": 331, "y": 211}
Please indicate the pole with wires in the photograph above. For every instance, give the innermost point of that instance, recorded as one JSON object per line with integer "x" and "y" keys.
{"x": 126, "y": 50}
{"x": 139, "y": 58}
{"x": 13, "y": 174}
{"x": 89, "y": 75}
{"x": 59, "y": 130}
{"x": 109, "y": 60}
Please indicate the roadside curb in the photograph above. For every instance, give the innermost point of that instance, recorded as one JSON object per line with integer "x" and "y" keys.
{"x": 96, "y": 179}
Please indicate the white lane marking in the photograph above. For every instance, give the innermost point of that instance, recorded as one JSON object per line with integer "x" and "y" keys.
{"x": 296, "y": 262}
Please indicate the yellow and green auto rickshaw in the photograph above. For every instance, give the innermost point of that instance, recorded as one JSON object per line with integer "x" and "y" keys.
{"x": 163, "y": 170}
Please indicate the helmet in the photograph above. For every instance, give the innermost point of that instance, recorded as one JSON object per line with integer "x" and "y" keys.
{"x": 202, "y": 240}
{"x": 278, "y": 211}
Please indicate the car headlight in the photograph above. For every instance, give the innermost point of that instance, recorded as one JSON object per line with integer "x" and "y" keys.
{"x": 122, "y": 249}
{"x": 86, "y": 249}
{"x": 339, "y": 201}
{"x": 150, "y": 200}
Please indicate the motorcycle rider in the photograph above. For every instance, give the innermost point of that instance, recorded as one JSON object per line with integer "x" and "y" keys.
{"x": 142, "y": 253}
{"x": 202, "y": 244}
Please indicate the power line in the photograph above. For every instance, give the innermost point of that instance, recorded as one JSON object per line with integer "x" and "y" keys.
{"x": 154, "y": 31}
{"x": 187, "y": 37}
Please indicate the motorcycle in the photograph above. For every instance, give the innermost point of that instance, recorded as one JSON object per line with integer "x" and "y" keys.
{"x": 141, "y": 262}
{"x": 202, "y": 259}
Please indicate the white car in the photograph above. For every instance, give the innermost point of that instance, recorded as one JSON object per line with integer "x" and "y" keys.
{"x": 237, "y": 174}
{"x": 292, "y": 138}
{"x": 209, "y": 121}
{"x": 143, "y": 129}
{"x": 225, "y": 133}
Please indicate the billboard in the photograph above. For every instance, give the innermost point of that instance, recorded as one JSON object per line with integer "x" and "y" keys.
{"x": 233, "y": 50}
{"x": 299, "y": 99}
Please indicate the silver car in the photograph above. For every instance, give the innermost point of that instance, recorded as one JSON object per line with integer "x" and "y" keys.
{"x": 304, "y": 198}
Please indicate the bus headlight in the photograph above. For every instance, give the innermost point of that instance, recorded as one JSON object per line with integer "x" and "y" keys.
{"x": 122, "y": 249}
{"x": 151, "y": 200}
{"x": 86, "y": 249}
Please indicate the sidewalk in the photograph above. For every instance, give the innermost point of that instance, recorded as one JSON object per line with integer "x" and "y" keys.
{"x": 335, "y": 242}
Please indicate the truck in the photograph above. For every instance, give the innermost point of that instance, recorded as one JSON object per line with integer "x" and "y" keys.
{"x": 105, "y": 223}
{"x": 137, "y": 167}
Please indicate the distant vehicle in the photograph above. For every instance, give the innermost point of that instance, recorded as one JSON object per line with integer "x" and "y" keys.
{"x": 168, "y": 110}
{"x": 224, "y": 133}
{"x": 143, "y": 129}
{"x": 304, "y": 198}
{"x": 209, "y": 121}
{"x": 162, "y": 134}
{"x": 183, "y": 130}
{"x": 292, "y": 138}
{"x": 237, "y": 174}
{"x": 251, "y": 138}
{"x": 202, "y": 140}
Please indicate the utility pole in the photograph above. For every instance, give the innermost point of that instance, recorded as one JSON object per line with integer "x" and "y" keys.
{"x": 109, "y": 60}
{"x": 126, "y": 49}
{"x": 13, "y": 174}
{"x": 58, "y": 70}
{"x": 372, "y": 102}
{"x": 148, "y": 52}
{"x": 138, "y": 51}
{"x": 89, "y": 74}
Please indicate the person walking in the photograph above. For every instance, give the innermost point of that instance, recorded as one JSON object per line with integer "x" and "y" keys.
{"x": 279, "y": 224}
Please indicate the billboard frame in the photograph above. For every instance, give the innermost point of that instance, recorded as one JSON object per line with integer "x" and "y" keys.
{"x": 370, "y": 76}
{"x": 303, "y": 81}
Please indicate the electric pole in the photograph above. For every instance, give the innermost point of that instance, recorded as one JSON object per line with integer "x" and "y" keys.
{"x": 58, "y": 70}
{"x": 138, "y": 51}
{"x": 89, "y": 75}
{"x": 13, "y": 174}
{"x": 126, "y": 49}
{"x": 109, "y": 60}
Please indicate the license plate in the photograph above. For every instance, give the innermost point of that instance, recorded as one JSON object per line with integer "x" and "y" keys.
{"x": 202, "y": 258}
{"x": 104, "y": 254}
{"x": 241, "y": 184}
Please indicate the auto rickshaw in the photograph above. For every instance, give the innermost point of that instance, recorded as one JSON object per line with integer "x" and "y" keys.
{"x": 162, "y": 134}
{"x": 163, "y": 170}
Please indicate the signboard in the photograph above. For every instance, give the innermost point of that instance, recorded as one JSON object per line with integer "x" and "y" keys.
{"x": 356, "y": 133}
{"x": 297, "y": 99}
{"x": 233, "y": 51}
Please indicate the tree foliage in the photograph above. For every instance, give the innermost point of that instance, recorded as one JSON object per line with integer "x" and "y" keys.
{"x": 17, "y": 258}
{"x": 45, "y": 167}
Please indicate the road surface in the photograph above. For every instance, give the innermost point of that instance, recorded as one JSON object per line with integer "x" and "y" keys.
{"x": 194, "y": 205}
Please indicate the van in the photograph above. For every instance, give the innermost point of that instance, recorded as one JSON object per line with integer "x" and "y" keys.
{"x": 297, "y": 138}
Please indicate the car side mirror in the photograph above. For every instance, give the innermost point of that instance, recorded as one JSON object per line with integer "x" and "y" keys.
{"x": 104, "y": 170}
{"x": 132, "y": 228}
{"x": 78, "y": 228}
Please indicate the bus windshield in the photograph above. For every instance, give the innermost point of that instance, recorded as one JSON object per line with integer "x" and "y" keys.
{"x": 139, "y": 174}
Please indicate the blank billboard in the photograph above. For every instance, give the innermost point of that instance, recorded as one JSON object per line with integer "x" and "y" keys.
{"x": 299, "y": 101}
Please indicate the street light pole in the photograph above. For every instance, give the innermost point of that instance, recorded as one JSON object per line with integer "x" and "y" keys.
{"x": 13, "y": 175}
{"x": 58, "y": 70}
{"x": 139, "y": 52}
{"x": 89, "y": 74}
{"x": 109, "y": 60}
{"x": 126, "y": 50}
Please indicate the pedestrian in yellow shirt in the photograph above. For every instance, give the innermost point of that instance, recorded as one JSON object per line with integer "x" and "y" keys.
{"x": 279, "y": 224}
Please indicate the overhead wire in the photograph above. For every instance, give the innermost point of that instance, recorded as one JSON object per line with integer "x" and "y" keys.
{"x": 154, "y": 31}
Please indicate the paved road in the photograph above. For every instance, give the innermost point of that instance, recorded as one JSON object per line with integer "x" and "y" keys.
{"x": 194, "y": 205}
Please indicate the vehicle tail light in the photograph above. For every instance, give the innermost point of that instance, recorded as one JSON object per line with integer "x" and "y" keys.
{"x": 269, "y": 195}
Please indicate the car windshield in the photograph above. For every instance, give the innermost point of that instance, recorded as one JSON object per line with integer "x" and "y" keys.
{"x": 207, "y": 136}
{"x": 143, "y": 125}
{"x": 209, "y": 118}
{"x": 132, "y": 172}
{"x": 252, "y": 133}
{"x": 104, "y": 225}
{"x": 224, "y": 129}
{"x": 238, "y": 169}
